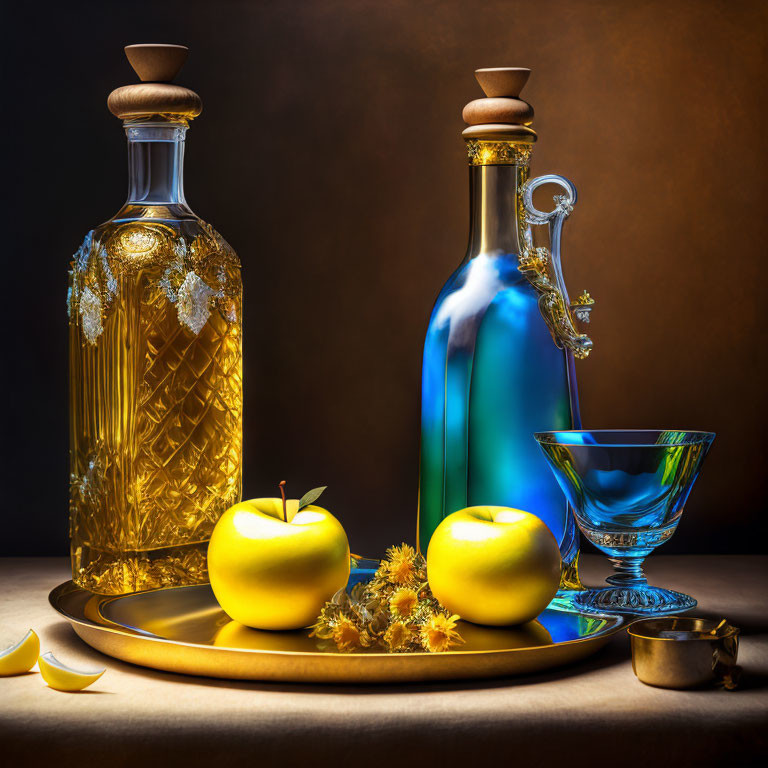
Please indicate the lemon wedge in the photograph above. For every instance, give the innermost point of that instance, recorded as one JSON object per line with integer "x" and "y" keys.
{"x": 20, "y": 657}
{"x": 64, "y": 678}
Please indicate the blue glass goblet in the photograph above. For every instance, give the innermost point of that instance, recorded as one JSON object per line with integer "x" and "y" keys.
{"x": 627, "y": 489}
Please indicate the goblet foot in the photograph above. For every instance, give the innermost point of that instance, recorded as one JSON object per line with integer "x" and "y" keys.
{"x": 641, "y": 601}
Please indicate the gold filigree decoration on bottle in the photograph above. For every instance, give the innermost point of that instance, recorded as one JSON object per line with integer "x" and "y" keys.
{"x": 556, "y": 315}
{"x": 582, "y": 307}
{"x": 488, "y": 152}
{"x": 535, "y": 264}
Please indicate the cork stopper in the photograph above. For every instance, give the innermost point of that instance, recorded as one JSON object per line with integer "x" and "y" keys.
{"x": 156, "y": 64}
{"x": 502, "y": 113}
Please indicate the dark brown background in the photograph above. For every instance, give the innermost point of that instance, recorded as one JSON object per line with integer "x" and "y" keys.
{"x": 329, "y": 155}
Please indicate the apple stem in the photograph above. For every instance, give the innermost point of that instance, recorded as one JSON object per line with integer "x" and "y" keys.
{"x": 282, "y": 493}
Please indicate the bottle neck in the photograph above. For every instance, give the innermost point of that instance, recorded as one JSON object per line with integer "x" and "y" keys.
{"x": 156, "y": 163}
{"x": 493, "y": 201}
{"x": 497, "y": 170}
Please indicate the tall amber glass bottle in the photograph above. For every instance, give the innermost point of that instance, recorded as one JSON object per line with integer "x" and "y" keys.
{"x": 155, "y": 360}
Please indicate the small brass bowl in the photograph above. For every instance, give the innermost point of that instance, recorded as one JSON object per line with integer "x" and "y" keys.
{"x": 682, "y": 652}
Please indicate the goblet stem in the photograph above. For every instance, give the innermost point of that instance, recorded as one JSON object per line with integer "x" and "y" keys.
{"x": 629, "y": 572}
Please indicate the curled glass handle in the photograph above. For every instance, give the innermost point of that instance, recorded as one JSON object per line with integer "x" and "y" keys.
{"x": 543, "y": 267}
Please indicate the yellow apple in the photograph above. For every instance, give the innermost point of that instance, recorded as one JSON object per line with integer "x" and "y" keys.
{"x": 268, "y": 572}
{"x": 493, "y": 565}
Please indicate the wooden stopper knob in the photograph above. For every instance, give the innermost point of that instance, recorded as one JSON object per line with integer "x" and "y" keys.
{"x": 502, "y": 82}
{"x": 498, "y": 110}
{"x": 501, "y": 106}
{"x": 156, "y": 62}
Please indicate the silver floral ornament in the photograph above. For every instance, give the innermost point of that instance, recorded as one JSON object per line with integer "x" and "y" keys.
{"x": 90, "y": 315}
{"x": 192, "y": 303}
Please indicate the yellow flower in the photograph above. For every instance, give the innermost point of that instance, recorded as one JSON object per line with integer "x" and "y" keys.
{"x": 398, "y": 636}
{"x": 377, "y": 587}
{"x": 322, "y": 627}
{"x": 438, "y": 633}
{"x": 402, "y": 565}
{"x": 403, "y": 602}
{"x": 346, "y": 635}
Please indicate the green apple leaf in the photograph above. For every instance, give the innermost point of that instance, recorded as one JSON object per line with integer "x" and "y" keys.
{"x": 310, "y": 497}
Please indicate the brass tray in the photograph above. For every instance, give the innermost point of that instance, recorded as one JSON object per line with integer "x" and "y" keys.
{"x": 183, "y": 629}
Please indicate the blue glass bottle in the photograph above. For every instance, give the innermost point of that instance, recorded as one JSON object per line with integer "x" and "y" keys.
{"x": 499, "y": 352}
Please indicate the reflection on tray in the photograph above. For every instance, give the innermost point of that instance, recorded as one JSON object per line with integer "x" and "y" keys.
{"x": 236, "y": 635}
{"x": 197, "y": 637}
{"x": 477, "y": 638}
{"x": 192, "y": 615}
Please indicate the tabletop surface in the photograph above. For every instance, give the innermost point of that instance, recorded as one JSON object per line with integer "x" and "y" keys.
{"x": 592, "y": 713}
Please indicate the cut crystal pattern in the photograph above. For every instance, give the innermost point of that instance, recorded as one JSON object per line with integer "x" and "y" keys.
{"x": 90, "y": 314}
{"x": 88, "y": 488}
{"x": 230, "y": 311}
{"x": 156, "y": 411}
{"x": 193, "y": 301}
{"x": 113, "y": 573}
